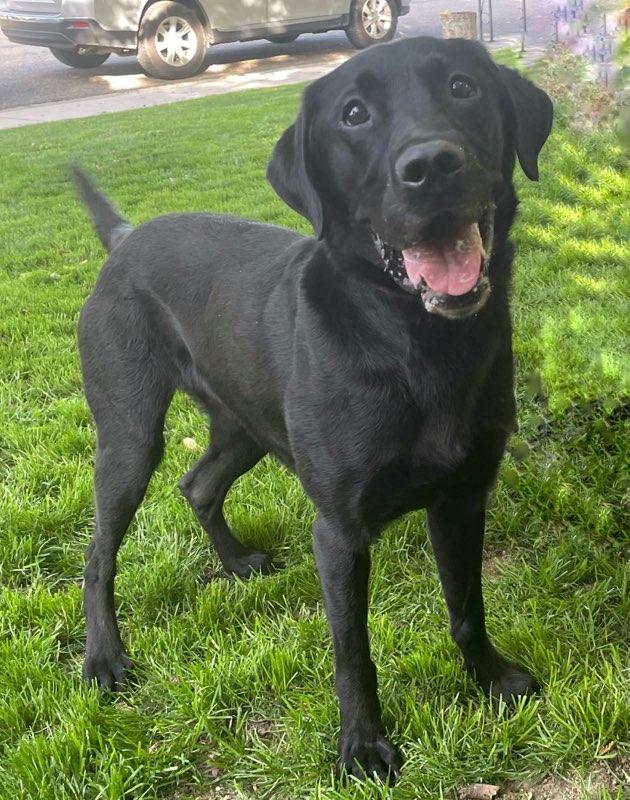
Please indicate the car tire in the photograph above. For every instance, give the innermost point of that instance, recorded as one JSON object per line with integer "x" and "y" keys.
{"x": 283, "y": 38}
{"x": 171, "y": 41}
{"x": 372, "y": 22}
{"x": 73, "y": 58}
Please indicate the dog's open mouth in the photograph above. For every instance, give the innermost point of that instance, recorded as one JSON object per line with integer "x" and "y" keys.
{"x": 448, "y": 265}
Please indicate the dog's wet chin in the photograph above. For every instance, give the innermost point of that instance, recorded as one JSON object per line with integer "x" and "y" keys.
{"x": 447, "y": 267}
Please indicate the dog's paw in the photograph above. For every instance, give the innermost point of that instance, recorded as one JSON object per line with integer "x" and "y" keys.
{"x": 513, "y": 683}
{"x": 508, "y": 681}
{"x": 249, "y": 563}
{"x": 109, "y": 670}
{"x": 376, "y": 759}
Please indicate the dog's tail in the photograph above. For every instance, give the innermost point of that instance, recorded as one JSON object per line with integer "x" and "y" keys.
{"x": 110, "y": 226}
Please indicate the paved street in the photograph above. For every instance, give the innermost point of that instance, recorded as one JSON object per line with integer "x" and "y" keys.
{"x": 33, "y": 83}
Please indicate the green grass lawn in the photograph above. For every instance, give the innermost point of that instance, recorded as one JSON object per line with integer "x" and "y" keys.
{"x": 235, "y": 695}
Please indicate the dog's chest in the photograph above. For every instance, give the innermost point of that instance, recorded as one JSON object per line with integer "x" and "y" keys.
{"x": 435, "y": 438}
{"x": 422, "y": 447}
{"x": 410, "y": 478}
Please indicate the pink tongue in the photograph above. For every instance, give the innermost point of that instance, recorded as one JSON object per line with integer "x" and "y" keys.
{"x": 450, "y": 268}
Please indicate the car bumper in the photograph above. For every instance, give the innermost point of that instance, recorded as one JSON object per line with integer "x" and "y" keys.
{"x": 53, "y": 30}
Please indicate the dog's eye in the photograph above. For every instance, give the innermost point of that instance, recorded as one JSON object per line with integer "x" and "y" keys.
{"x": 462, "y": 87}
{"x": 355, "y": 113}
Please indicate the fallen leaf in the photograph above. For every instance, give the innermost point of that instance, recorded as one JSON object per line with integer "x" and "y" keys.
{"x": 190, "y": 443}
{"x": 605, "y": 749}
{"x": 478, "y": 791}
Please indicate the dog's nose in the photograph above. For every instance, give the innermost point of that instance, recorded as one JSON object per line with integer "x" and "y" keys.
{"x": 422, "y": 163}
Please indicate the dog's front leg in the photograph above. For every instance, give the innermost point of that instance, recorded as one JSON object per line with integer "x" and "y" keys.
{"x": 343, "y": 562}
{"x": 456, "y": 525}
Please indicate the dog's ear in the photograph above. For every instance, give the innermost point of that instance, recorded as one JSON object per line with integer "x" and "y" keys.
{"x": 532, "y": 112}
{"x": 288, "y": 173}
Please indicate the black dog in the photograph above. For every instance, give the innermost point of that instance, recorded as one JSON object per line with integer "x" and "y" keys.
{"x": 373, "y": 360}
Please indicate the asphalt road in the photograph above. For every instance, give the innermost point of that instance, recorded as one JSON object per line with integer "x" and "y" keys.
{"x": 31, "y": 75}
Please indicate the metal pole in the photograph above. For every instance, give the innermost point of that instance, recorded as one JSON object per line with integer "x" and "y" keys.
{"x": 523, "y": 26}
{"x": 491, "y": 23}
{"x": 480, "y": 19}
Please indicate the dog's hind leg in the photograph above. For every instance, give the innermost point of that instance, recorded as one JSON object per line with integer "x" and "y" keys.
{"x": 231, "y": 453}
{"x": 128, "y": 396}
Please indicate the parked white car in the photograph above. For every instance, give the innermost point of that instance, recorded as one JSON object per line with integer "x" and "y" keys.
{"x": 171, "y": 38}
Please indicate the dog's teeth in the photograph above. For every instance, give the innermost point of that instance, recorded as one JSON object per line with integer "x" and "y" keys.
{"x": 477, "y": 239}
{"x": 393, "y": 261}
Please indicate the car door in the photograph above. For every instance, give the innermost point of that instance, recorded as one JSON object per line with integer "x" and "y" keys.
{"x": 231, "y": 15}
{"x": 303, "y": 10}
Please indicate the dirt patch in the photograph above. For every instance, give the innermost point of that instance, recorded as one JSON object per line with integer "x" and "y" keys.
{"x": 494, "y": 561}
{"x": 191, "y": 792}
{"x": 217, "y": 794}
{"x": 607, "y": 776}
{"x": 263, "y": 728}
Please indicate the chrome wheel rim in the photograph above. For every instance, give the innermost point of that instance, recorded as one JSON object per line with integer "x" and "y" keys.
{"x": 376, "y": 16}
{"x": 175, "y": 41}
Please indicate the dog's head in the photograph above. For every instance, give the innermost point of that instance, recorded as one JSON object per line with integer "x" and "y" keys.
{"x": 403, "y": 153}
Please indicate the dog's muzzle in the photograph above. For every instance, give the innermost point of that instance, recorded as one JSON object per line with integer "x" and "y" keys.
{"x": 447, "y": 269}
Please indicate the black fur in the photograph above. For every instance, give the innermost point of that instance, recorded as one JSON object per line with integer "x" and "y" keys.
{"x": 306, "y": 348}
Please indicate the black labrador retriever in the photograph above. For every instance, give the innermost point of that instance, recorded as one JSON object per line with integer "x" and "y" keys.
{"x": 374, "y": 360}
